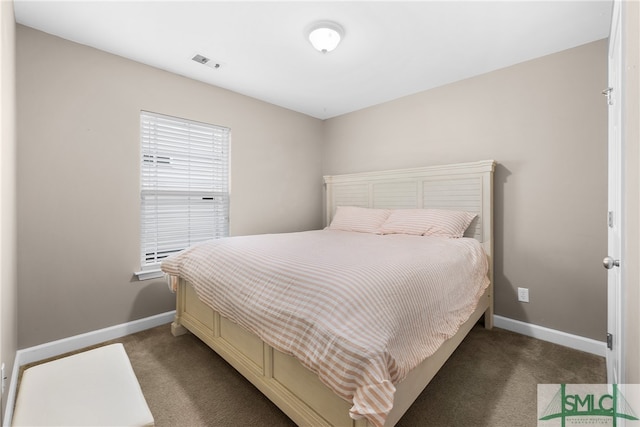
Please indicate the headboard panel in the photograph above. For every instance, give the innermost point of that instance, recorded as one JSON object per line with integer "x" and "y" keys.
{"x": 460, "y": 186}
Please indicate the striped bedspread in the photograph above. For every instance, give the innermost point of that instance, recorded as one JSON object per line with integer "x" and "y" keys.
{"x": 361, "y": 310}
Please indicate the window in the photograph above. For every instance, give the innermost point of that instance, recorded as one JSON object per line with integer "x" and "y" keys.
{"x": 184, "y": 186}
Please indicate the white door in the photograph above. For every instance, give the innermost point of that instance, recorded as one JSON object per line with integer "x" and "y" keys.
{"x": 614, "y": 261}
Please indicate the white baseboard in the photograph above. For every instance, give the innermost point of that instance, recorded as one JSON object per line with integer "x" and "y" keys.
{"x": 77, "y": 342}
{"x": 56, "y": 348}
{"x": 599, "y": 348}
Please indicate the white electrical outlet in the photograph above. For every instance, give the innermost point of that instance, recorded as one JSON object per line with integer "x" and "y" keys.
{"x": 523, "y": 294}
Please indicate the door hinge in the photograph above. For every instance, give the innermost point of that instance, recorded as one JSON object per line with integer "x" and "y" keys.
{"x": 607, "y": 92}
{"x": 610, "y": 341}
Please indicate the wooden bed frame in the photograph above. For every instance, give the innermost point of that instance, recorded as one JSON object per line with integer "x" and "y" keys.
{"x": 294, "y": 389}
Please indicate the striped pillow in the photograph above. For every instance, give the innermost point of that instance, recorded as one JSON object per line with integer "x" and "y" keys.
{"x": 363, "y": 220}
{"x": 428, "y": 222}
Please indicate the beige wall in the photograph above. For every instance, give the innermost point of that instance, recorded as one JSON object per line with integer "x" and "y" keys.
{"x": 545, "y": 123}
{"x": 78, "y": 197}
{"x": 8, "y": 279}
{"x": 631, "y": 197}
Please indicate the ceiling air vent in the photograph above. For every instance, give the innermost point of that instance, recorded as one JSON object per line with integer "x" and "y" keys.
{"x": 206, "y": 61}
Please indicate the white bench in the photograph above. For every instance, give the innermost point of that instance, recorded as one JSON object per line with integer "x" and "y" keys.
{"x": 94, "y": 388}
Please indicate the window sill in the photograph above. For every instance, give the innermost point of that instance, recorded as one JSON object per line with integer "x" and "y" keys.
{"x": 149, "y": 274}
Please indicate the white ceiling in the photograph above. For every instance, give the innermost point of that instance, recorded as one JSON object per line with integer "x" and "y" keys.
{"x": 390, "y": 49}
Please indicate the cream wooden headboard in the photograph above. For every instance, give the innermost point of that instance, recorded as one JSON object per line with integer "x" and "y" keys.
{"x": 460, "y": 186}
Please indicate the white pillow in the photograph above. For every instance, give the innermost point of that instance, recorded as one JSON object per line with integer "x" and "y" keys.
{"x": 363, "y": 220}
{"x": 428, "y": 222}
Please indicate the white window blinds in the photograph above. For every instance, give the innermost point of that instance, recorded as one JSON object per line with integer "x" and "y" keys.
{"x": 184, "y": 185}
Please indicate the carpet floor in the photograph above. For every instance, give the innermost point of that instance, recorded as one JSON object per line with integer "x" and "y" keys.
{"x": 490, "y": 381}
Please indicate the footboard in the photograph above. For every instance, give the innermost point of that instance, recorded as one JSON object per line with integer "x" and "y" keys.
{"x": 288, "y": 384}
{"x": 294, "y": 389}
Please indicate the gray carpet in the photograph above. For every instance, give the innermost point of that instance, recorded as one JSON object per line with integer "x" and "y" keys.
{"x": 490, "y": 381}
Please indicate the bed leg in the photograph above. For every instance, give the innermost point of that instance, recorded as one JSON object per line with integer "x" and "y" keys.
{"x": 177, "y": 329}
{"x": 488, "y": 319}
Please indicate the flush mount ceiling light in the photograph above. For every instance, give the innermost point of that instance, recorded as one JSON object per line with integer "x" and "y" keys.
{"x": 325, "y": 36}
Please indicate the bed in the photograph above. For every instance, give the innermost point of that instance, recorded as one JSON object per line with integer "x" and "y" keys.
{"x": 297, "y": 384}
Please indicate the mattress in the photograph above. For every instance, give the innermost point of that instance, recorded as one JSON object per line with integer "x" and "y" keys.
{"x": 358, "y": 309}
